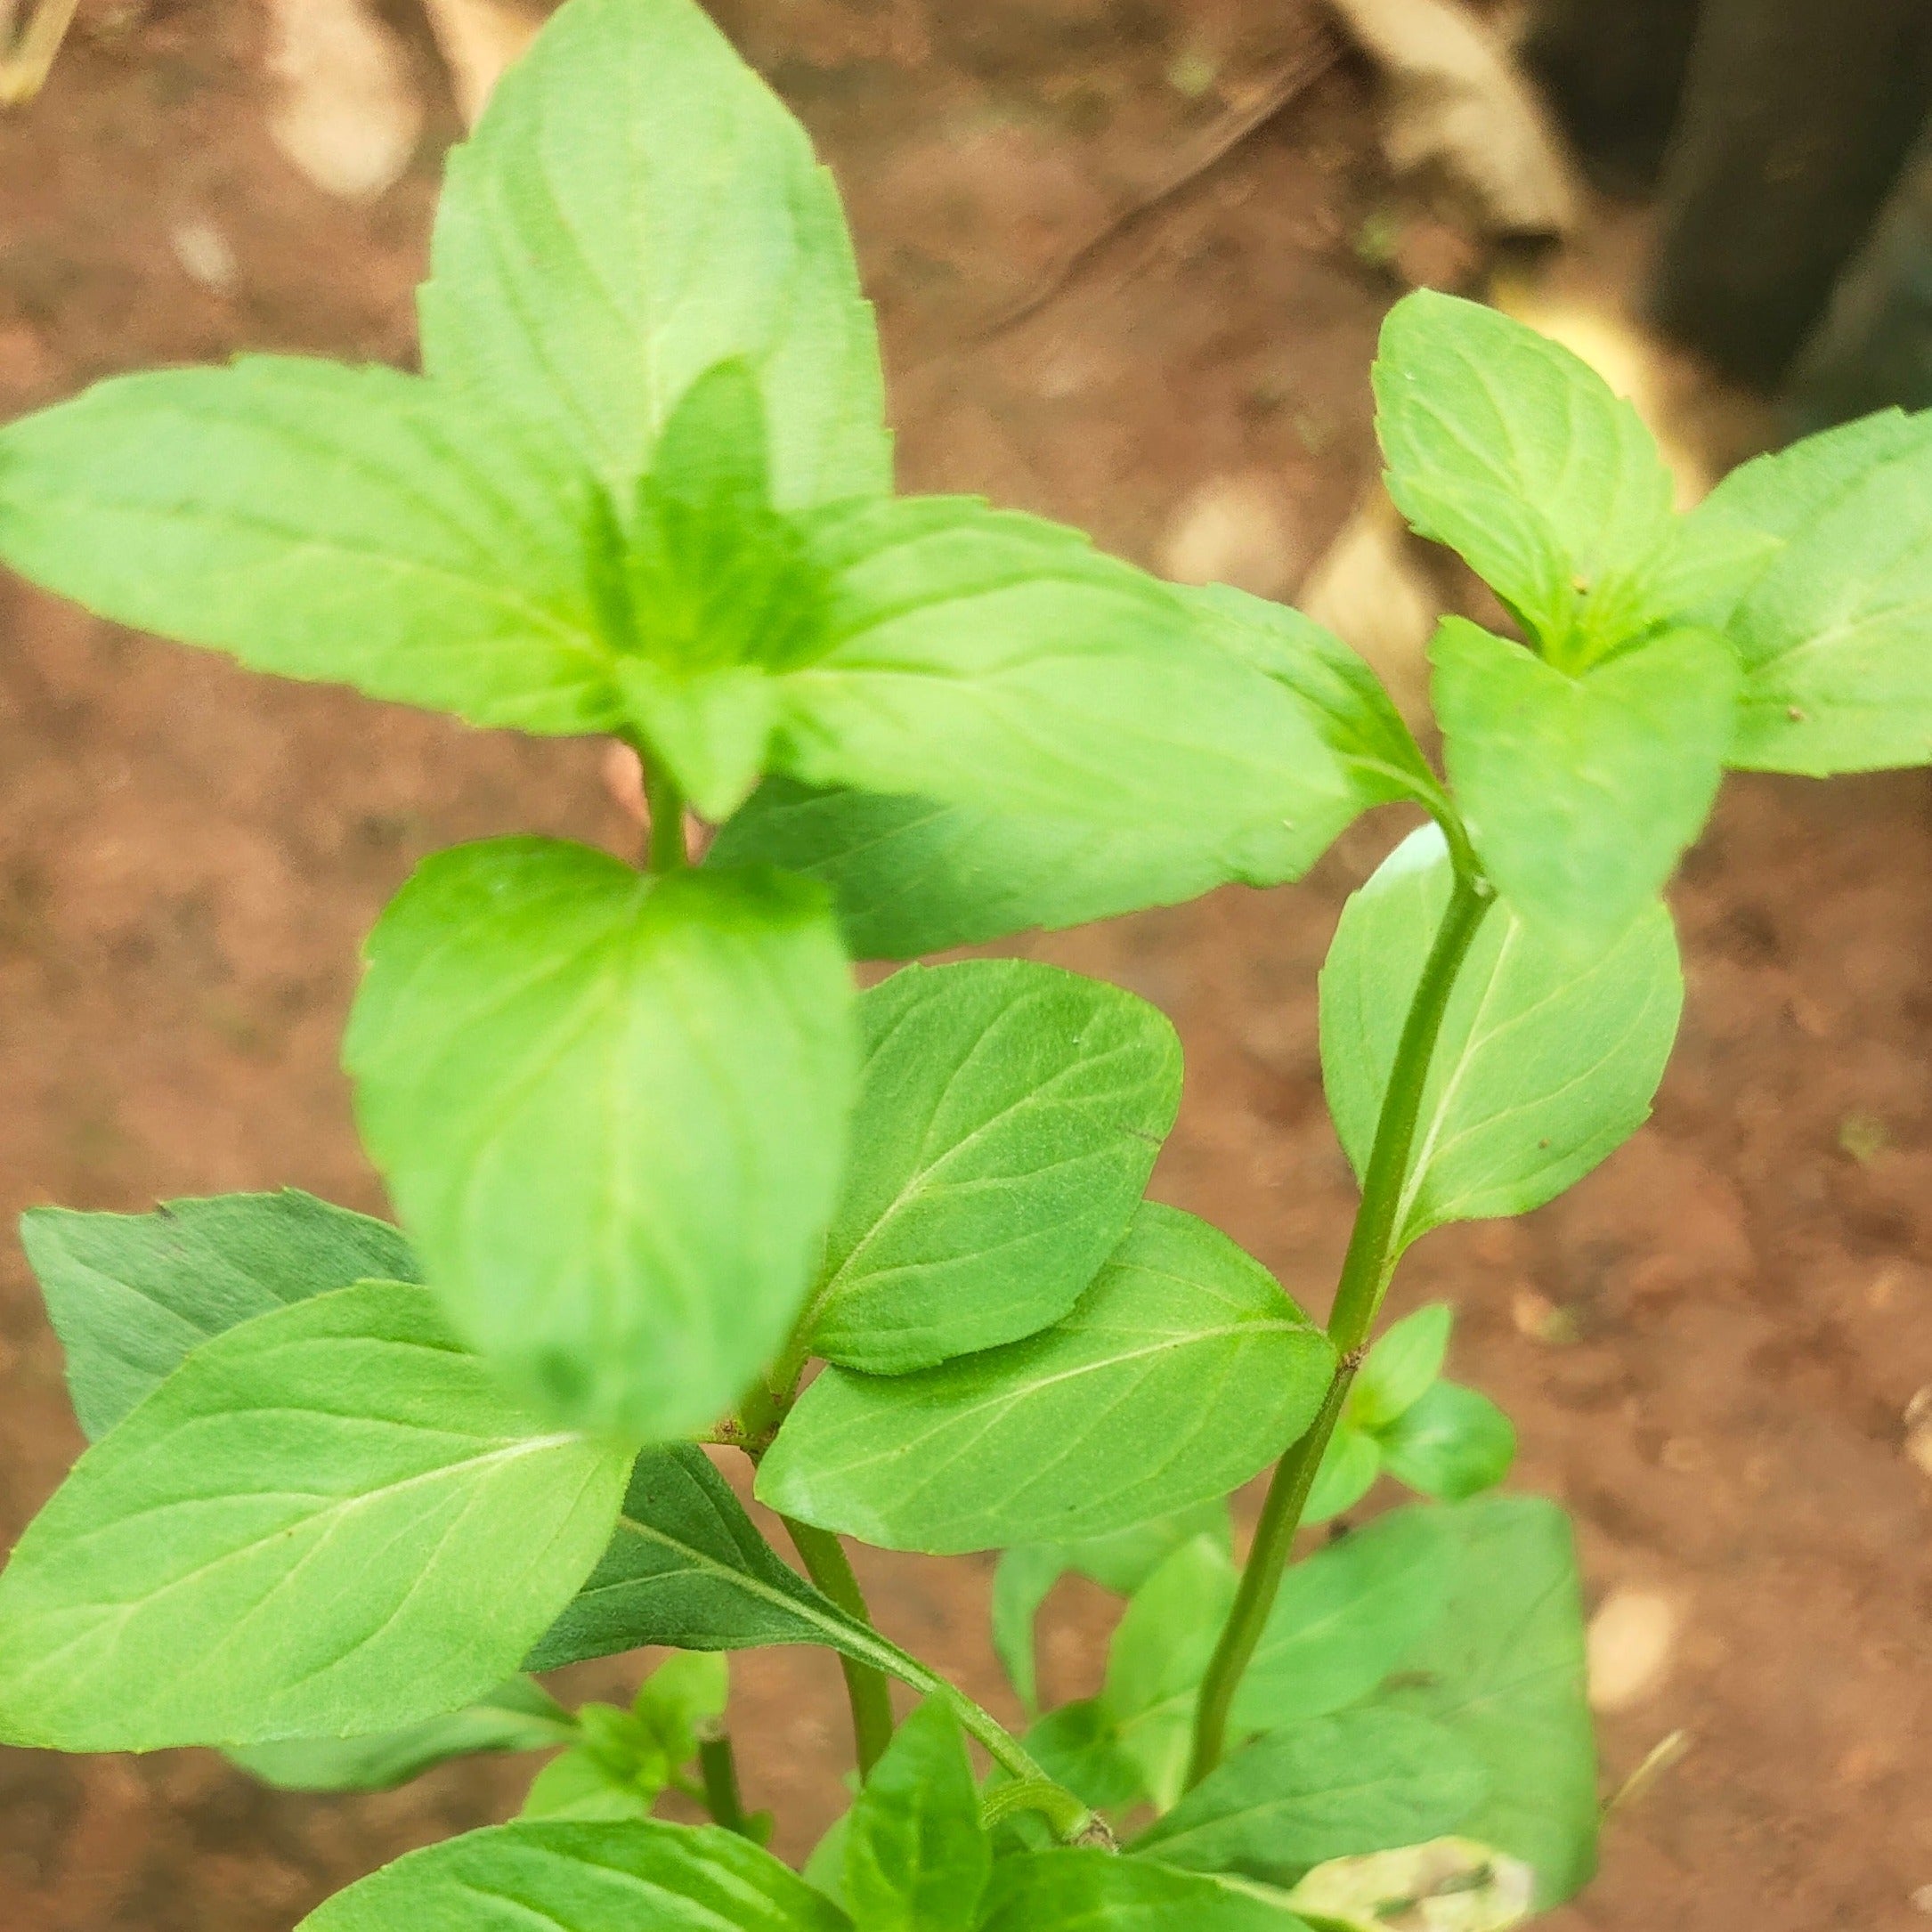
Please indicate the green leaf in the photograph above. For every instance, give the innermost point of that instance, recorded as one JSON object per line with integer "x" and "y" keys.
{"x": 1023, "y": 1443}
{"x": 1405, "y": 1360}
{"x": 346, "y": 524}
{"x": 1515, "y": 453}
{"x": 324, "y": 1520}
{"x": 635, "y": 206}
{"x": 1020, "y": 1585}
{"x": 1454, "y": 1442}
{"x": 1362, "y": 1780}
{"x": 685, "y": 1693}
{"x": 1084, "y": 1890}
{"x": 1344, "y": 1617}
{"x": 610, "y": 1110}
{"x": 1544, "y": 1065}
{"x": 1504, "y": 1669}
{"x": 1349, "y": 1467}
{"x": 1008, "y": 1118}
{"x": 518, "y": 1716}
{"x": 130, "y": 1294}
{"x": 1581, "y": 792}
{"x": 915, "y": 1857}
{"x": 990, "y": 658}
{"x": 1448, "y": 1885}
{"x": 1079, "y": 1746}
{"x": 583, "y": 1878}
{"x": 582, "y": 1785}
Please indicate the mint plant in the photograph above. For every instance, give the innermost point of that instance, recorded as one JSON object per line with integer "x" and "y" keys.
{"x": 672, "y": 1194}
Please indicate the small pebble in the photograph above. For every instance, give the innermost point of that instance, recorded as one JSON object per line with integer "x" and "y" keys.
{"x": 1631, "y": 1639}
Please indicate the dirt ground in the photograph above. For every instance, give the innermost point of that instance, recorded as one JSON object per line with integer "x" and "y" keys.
{"x": 1707, "y": 1347}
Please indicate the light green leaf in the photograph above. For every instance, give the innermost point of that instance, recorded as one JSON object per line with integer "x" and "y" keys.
{"x": 324, "y": 1520}
{"x": 825, "y": 1870}
{"x": 1516, "y": 454}
{"x": 1454, "y": 1442}
{"x": 685, "y": 1693}
{"x": 994, "y": 659}
{"x": 1344, "y": 1617}
{"x": 1008, "y": 1118}
{"x": 583, "y": 1878}
{"x": 1448, "y": 1885}
{"x": 915, "y": 1857}
{"x": 1404, "y": 1360}
{"x": 635, "y": 206}
{"x": 1544, "y": 1064}
{"x": 1081, "y": 1890}
{"x": 1219, "y": 1369}
{"x": 1504, "y": 1669}
{"x": 518, "y": 1716}
{"x": 130, "y": 1294}
{"x": 610, "y": 1110}
{"x": 1021, "y": 1583}
{"x": 1581, "y": 792}
{"x": 582, "y": 1785}
{"x": 346, "y": 524}
{"x": 1362, "y": 1780}
{"x": 1349, "y": 1467}
{"x": 1078, "y": 1745}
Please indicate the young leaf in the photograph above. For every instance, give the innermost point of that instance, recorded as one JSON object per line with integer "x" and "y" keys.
{"x": 1581, "y": 792}
{"x": 1344, "y": 1617}
{"x": 1405, "y": 1360}
{"x": 518, "y": 1715}
{"x": 1083, "y": 1890}
{"x": 1008, "y": 1118}
{"x": 324, "y": 1520}
{"x": 610, "y": 1110}
{"x": 1544, "y": 1064}
{"x": 347, "y": 524}
{"x": 635, "y": 206}
{"x": 583, "y": 1878}
{"x": 1515, "y": 453}
{"x": 994, "y": 659}
{"x": 686, "y": 1691}
{"x": 1349, "y": 1467}
{"x": 915, "y": 1857}
{"x": 583, "y": 1786}
{"x": 1023, "y": 1443}
{"x": 130, "y": 1294}
{"x": 1362, "y": 1780}
{"x": 1448, "y": 1885}
{"x": 1504, "y": 1669}
{"x": 1453, "y": 1442}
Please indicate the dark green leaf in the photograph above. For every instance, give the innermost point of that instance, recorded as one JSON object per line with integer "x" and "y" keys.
{"x": 1453, "y": 1442}
{"x": 1008, "y": 1118}
{"x": 1076, "y": 1890}
{"x": 324, "y": 1520}
{"x": 1219, "y": 1369}
{"x": 1362, "y": 1780}
{"x": 915, "y": 1857}
{"x": 1544, "y": 1065}
{"x": 612, "y": 1111}
{"x": 635, "y": 208}
{"x": 130, "y": 1294}
{"x": 1581, "y": 792}
{"x": 1405, "y": 1358}
{"x": 583, "y": 1878}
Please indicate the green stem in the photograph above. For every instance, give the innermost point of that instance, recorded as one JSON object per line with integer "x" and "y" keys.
{"x": 666, "y": 852}
{"x": 719, "y": 1770}
{"x": 867, "y": 1689}
{"x": 1366, "y": 1268}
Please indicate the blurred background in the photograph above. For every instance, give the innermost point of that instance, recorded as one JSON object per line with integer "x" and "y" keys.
{"x": 1130, "y": 257}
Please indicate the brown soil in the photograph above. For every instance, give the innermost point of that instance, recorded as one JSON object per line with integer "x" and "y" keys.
{"x": 1709, "y": 1346}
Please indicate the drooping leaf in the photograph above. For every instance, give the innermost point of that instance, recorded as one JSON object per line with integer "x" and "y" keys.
{"x": 1218, "y": 1369}
{"x": 572, "y": 1877}
{"x": 518, "y": 1715}
{"x": 1516, "y": 454}
{"x": 1345, "y": 1617}
{"x": 1008, "y": 1118}
{"x": 1347, "y": 1472}
{"x": 1453, "y": 1442}
{"x": 1545, "y": 1064}
{"x": 1504, "y": 1669}
{"x": 1448, "y": 1885}
{"x": 1021, "y": 1583}
{"x": 990, "y": 658}
{"x": 325, "y": 1521}
{"x": 1405, "y": 1358}
{"x": 916, "y": 1859}
{"x": 610, "y": 1110}
{"x": 346, "y": 524}
{"x": 1083, "y": 1890}
{"x": 1361, "y": 1781}
{"x": 636, "y": 205}
{"x": 130, "y": 1294}
{"x": 1580, "y": 793}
